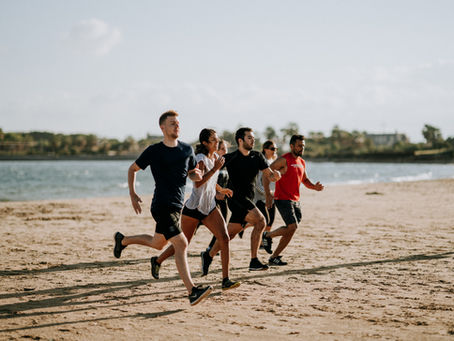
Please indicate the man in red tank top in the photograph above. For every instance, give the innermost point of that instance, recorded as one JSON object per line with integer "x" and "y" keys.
{"x": 286, "y": 196}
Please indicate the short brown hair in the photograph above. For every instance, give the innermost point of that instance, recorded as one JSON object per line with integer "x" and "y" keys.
{"x": 295, "y": 138}
{"x": 164, "y": 116}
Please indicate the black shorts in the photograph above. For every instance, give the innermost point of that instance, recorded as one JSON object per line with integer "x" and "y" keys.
{"x": 167, "y": 221}
{"x": 222, "y": 204}
{"x": 239, "y": 207}
{"x": 194, "y": 213}
{"x": 268, "y": 213}
{"x": 290, "y": 211}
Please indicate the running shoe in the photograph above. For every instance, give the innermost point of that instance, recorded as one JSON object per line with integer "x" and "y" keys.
{"x": 277, "y": 261}
{"x": 198, "y": 294}
{"x": 155, "y": 266}
{"x": 267, "y": 243}
{"x": 229, "y": 284}
{"x": 206, "y": 261}
{"x": 118, "y": 247}
{"x": 256, "y": 265}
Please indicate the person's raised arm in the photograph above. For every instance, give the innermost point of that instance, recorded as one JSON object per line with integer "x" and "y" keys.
{"x": 218, "y": 163}
{"x": 135, "y": 199}
{"x": 309, "y": 184}
{"x": 195, "y": 174}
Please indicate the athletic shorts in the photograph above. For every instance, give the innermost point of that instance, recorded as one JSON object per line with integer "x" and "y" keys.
{"x": 290, "y": 211}
{"x": 195, "y": 213}
{"x": 222, "y": 205}
{"x": 267, "y": 213}
{"x": 167, "y": 221}
{"x": 239, "y": 207}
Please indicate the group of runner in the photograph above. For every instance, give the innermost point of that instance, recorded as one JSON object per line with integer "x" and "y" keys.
{"x": 244, "y": 179}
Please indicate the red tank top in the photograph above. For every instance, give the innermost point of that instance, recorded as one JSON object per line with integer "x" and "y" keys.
{"x": 288, "y": 187}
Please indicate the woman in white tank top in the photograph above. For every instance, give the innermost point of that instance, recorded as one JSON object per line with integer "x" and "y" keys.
{"x": 201, "y": 206}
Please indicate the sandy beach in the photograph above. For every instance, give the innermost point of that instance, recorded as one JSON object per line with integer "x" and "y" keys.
{"x": 371, "y": 261}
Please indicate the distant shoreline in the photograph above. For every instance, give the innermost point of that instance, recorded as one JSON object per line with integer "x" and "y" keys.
{"x": 67, "y": 158}
{"x": 366, "y": 158}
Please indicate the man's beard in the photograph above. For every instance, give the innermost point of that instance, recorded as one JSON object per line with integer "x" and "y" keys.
{"x": 248, "y": 147}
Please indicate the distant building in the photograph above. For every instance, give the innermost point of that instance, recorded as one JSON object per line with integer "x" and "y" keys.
{"x": 387, "y": 140}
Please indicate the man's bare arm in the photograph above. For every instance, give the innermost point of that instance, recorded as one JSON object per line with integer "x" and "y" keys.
{"x": 309, "y": 184}
{"x": 278, "y": 165}
{"x": 135, "y": 199}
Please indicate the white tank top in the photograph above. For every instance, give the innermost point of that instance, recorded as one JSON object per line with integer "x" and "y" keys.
{"x": 203, "y": 198}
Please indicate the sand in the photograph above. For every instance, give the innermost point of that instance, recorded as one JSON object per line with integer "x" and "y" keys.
{"x": 371, "y": 261}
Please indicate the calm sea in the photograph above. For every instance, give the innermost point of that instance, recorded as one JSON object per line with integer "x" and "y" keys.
{"x": 36, "y": 180}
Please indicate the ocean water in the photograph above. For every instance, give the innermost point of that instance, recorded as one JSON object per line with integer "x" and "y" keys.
{"x": 37, "y": 180}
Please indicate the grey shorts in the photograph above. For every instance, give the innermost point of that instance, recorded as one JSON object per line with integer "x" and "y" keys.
{"x": 290, "y": 211}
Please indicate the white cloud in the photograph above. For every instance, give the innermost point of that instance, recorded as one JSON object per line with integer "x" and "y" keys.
{"x": 94, "y": 36}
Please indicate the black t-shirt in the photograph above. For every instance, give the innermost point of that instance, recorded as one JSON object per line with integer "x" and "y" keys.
{"x": 242, "y": 172}
{"x": 169, "y": 166}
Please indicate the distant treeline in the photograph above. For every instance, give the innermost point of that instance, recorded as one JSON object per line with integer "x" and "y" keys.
{"x": 340, "y": 145}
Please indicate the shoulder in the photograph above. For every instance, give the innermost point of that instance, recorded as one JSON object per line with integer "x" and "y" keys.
{"x": 255, "y": 155}
{"x": 229, "y": 156}
{"x": 153, "y": 148}
{"x": 200, "y": 157}
{"x": 185, "y": 147}
{"x": 279, "y": 162}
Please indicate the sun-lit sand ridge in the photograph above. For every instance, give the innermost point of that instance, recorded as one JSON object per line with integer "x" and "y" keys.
{"x": 369, "y": 261}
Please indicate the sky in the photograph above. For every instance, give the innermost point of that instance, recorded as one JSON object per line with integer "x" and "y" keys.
{"x": 111, "y": 68}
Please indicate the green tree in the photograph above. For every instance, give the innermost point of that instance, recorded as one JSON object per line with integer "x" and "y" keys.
{"x": 287, "y": 132}
{"x": 270, "y": 133}
{"x": 433, "y": 136}
{"x": 229, "y": 136}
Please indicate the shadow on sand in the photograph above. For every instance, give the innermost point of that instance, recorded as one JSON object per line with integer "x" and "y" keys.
{"x": 65, "y": 296}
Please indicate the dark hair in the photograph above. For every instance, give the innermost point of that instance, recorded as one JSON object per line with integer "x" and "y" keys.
{"x": 295, "y": 138}
{"x": 240, "y": 134}
{"x": 164, "y": 116}
{"x": 204, "y": 136}
{"x": 266, "y": 145}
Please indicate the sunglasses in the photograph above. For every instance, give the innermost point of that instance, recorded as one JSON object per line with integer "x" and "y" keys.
{"x": 273, "y": 149}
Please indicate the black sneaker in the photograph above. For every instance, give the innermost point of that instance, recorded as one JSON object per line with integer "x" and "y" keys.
{"x": 198, "y": 294}
{"x": 229, "y": 284}
{"x": 118, "y": 247}
{"x": 256, "y": 265}
{"x": 267, "y": 243}
{"x": 155, "y": 266}
{"x": 277, "y": 261}
{"x": 206, "y": 261}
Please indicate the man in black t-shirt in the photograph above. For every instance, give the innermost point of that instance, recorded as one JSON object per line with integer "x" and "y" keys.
{"x": 171, "y": 162}
{"x": 243, "y": 166}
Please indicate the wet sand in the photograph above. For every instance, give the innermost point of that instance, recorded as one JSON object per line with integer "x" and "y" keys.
{"x": 371, "y": 261}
